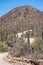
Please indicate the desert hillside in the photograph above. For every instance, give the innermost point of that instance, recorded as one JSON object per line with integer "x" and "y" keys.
{"x": 21, "y": 18}
{"x": 21, "y": 35}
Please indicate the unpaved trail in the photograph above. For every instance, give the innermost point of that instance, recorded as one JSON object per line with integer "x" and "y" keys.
{"x": 2, "y": 61}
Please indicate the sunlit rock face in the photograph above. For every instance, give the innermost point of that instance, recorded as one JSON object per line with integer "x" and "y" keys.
{"x": 23, "y": 37}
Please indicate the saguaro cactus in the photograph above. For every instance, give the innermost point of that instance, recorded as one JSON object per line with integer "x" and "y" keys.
{"x": 42, "y": 35}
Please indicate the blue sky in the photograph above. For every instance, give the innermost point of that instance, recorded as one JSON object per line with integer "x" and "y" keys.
{"x": 7, "y": 5}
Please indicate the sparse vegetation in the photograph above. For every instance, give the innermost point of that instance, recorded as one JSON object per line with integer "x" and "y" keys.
{"x": 3, "y": 47}
{"x": 19, "y": 22}
{"x": 38, "y": 48}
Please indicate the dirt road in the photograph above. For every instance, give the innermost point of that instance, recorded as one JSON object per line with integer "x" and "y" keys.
{"x": 2, "y": 61}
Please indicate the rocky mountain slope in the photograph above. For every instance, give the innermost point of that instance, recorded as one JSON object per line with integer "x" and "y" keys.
{"x": 21, "y": 18}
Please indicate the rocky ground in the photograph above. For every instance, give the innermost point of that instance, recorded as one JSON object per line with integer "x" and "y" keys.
{"x": 6, "y": 59}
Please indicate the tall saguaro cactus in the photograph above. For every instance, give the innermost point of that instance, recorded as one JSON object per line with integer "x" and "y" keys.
{"x": 42, "y": 35}
{"x": 1, "y": 34}
{"x": 28, "y": 39}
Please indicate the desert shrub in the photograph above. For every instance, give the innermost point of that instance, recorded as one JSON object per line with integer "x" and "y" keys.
{"x": 38, "y": 48}
{"x": 3, "y": 46}
{"x": 19, "y": 49}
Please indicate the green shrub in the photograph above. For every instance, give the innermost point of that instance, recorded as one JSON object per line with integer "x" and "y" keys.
{"x": 38, "y": 48}
{"x": 3, "y": 47}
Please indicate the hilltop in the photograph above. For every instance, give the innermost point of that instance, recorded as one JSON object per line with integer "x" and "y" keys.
{"x": 21, "y": 18}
